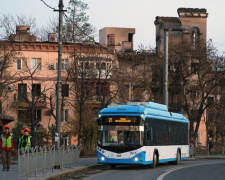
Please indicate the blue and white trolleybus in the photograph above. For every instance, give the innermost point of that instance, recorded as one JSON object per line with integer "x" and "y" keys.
{"x": 141, "y": 133}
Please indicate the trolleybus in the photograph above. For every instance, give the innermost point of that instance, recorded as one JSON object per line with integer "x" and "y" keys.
{"x": 141, "y": 133}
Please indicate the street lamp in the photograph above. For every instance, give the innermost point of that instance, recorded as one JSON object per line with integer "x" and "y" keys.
{"x": 165, "y": 62}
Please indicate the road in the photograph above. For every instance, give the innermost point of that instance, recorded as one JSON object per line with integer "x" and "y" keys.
{"x": 194, "y": 170}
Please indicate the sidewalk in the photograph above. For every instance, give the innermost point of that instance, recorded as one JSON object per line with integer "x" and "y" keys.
{"x": 83, "y": 163}
{"x": 209, "y": 157}
{"x": 13, "y": 173}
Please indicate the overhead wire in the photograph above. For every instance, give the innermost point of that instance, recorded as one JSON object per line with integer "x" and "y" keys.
{"x": 48, "y": 5}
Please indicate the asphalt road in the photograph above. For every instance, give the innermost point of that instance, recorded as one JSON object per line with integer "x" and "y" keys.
{"x": 194, "y": 170}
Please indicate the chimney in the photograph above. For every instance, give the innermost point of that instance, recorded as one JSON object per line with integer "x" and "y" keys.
{"x": 22, "y": 34}
{"x": 22, "y": 29}
{"x": 51, "y": 37}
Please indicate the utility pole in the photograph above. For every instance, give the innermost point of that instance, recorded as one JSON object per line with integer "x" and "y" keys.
{"x": 165, "y": 69}
{"x": 165, "y": 62}
{"x": 58, "y": 86}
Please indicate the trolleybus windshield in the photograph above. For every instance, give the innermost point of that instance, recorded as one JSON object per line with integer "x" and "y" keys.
{"x": 121, "y": 134}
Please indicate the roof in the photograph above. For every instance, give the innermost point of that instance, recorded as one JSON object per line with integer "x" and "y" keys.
{"x": 202, "y": 10}
{"x": 146, "y": 109}
{"x": 6, "y": 119}
{"x": 167, "y": 19}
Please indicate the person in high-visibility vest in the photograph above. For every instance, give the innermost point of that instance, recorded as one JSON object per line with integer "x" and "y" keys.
{"x": 7, "y": 146}
{"x": 19, "y": 141}
{"x": 27, "y": 140}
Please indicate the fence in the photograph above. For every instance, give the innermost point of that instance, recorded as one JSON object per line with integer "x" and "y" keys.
{"x": 44, "y": 157}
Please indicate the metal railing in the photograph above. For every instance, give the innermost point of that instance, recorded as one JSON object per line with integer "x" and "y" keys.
{"x": 44, "y": 157}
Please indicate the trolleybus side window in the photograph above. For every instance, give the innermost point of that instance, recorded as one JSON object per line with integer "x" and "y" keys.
{"x": 165, "y": 132}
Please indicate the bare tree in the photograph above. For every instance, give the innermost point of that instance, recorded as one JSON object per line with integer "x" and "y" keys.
{"x": 31, "y": 97}
{"x": 136, "y": 75}
{"x": 90, "y": 86}
{"x": 8, "y": 23}
{"x": 8, "y": 75}
{"x": 193, "y": 79}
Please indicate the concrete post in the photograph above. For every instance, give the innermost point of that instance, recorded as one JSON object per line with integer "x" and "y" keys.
{"x": 58, "y": 89}
{"x": 165, "y": 69}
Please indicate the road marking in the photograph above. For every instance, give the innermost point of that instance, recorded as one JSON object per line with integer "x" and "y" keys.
{"x": 177, "y": 168}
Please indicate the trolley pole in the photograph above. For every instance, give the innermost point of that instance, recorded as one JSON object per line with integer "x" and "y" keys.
{"x": 58, "y": 86}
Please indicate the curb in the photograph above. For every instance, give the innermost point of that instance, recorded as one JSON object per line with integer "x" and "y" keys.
{"x": 75, "y": 170}
{"x": 209, "y": 158}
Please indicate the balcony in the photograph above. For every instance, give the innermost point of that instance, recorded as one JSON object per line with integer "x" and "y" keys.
{"x": 26, "y": 102}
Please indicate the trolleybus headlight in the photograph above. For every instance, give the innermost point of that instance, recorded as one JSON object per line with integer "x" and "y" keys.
{"x": 102, "y": 158}
{"x": 136, "y": 159}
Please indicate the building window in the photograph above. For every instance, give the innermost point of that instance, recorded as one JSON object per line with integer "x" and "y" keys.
{"x": 194, "y": 68}
{"x": 36, "y": 89}
{"x": 102, "y": 89}
{"x": 65, "y": 140}
{"x": 193, "y": 39}
{"x": 193, "y": 95}
{"x": 1, "y": 107}
{"x": 198, "y": 138}
{"x": 111, "y": 39}
{"x": 65, "y": 115}
{"x": 130, "y": 37}
{"x": 37, "y": 116}
{"x": 19, "y": 64}
{"x": 1, "y": 62}
{"x": 194, "y": 115}
{"x": 65, "y": 90}
{"x": 23, "y": 116}
{"x": 36, "y": 64}
{"x": 65, "y": 64}
{"x": 22, "y": 92}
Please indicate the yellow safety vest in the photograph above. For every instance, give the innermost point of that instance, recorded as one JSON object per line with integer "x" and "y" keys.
{"x": 19, "y": 143}
{"x": 28, "y": 143}
{"x": 7, "y": 142}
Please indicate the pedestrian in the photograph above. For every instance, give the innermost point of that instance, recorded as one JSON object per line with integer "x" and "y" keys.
{"x": 27, "y": 140}
{"x": 19, "y": 140}
{"x": 210, "y": 145}
{"x": 6, "y": 146}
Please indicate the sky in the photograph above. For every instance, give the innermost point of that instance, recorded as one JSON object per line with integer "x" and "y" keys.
{"x": 138, "y": 14}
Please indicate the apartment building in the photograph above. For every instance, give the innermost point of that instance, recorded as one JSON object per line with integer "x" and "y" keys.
{"x": 33, "y": 69}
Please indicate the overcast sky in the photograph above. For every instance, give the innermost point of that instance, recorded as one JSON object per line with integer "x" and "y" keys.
{"x": 139, "y": 14}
